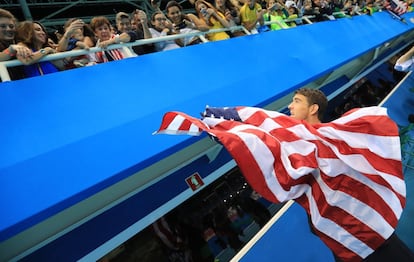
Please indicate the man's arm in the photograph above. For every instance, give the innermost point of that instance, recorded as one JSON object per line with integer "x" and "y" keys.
{"x": 407, "y": 56}
{"x": 144, "y": 22}
{"x": 405, "y": 62}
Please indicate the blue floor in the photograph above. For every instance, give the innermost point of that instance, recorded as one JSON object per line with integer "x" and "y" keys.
{"x": 291, "y": 239}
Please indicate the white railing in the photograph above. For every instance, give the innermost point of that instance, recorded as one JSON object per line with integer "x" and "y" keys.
{"x": 298, "y": 20}
{"x": 4, "y": 74}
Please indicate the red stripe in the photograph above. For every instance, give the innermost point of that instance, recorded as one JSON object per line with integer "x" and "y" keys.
{"x": 185, "y": 125}
{"x": 326, "y": 152}
{"x": 298, "y": 160}
{"x": 282, "y": 175}
{"x": 354, "y": 226}
{"x": 259, "y": 116}
{"x": 246, "y": 163}
{"x": 285, "y": 134}
{"x": 166, "y": 120}
{"x": 392, "y": 167}
{"x": 366, "y": 124}
{"x": 374, "y": 125}
{"x": 363, "y": 193}
{"x": 341, "y": 217}
{"x": 377, "y": 179}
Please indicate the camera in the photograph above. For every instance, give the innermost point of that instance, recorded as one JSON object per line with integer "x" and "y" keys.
{"x": 274, "y": 7}
{"x": 182, "y": 25}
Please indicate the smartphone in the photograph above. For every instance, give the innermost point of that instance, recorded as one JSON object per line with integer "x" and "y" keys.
{"x": 274, "y": 7}
{"x": 182, "y": 25}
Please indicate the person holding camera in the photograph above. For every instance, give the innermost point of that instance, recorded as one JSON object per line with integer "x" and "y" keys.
{"x": 161, "y": 27}
{"x": 213, "y": 19}
{"x": 184, "y": 23}
{"x": 232, "y": 14}
{"x": 276, "y": 13}
{"x": 139, "y": 24}
{"x": 251, "y": 16}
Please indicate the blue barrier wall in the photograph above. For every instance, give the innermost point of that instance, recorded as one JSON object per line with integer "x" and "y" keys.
{"x": 67, "y": 136}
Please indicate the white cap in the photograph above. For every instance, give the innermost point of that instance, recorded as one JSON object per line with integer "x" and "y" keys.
{"x": 290, "y": 3}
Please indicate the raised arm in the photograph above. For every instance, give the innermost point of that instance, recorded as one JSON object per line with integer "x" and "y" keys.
{"x": 407, "y": 56}
{"x": 69, "y": 32}
{"x": 144, "y": 22}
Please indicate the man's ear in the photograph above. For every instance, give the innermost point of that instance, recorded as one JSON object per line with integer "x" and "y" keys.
{"x": 314, "y": 109}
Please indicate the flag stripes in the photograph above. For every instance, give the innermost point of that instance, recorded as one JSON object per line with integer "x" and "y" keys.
{"x": 347, "y": 173}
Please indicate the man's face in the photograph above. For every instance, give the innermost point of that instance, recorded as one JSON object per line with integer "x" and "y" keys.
{"x": 220, "y": 2}
{"x": 134, "y": 25}
{"x": 124, "y": 25}
{"x": 299, "y": 108}
{"x": 251, "y": 3}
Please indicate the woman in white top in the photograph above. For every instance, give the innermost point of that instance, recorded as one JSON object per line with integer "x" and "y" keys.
{"x": 161, "y": 26}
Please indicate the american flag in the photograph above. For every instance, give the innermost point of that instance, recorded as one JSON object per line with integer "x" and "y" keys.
{"x": 347, "y": 173}
{"x": 396, "y": 7}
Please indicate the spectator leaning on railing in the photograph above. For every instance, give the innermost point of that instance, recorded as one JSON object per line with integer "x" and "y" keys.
{"x": 8, "y": 48}
{"x": 31, "y": 49}
{"x": 74, "y": 38}
{"x": 161, "y": 26}
{"x": 213, "y": 19}
{"x": 251, "y": 13}
{"x": 232, "y": 14}
{"x": 184, "y": 23}
{"x": 276, "y": 14}
{"x": 102, "y": 28}
{"x": 123, "y": 26}
{"x": 229, "y": 10}
{"x": 33, "y": 35}
{"x": 140, "y": 21}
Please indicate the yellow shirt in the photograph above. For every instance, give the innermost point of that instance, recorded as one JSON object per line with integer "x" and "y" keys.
{"x": 248, "y": 15}
{"x": 217, "y": 25}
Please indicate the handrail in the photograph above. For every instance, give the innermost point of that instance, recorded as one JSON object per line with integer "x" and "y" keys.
{"x": 4, "y": 74}
{"x": 305, "y": 18}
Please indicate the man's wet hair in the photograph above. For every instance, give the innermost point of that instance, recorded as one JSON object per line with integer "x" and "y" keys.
{"x": 315, "y": 96}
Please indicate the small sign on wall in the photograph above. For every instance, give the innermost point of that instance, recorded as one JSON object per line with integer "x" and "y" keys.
{"x": 194, "y": 181}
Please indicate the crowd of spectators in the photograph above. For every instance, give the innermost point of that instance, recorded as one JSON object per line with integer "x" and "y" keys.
{"x": 29, "y": 42}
